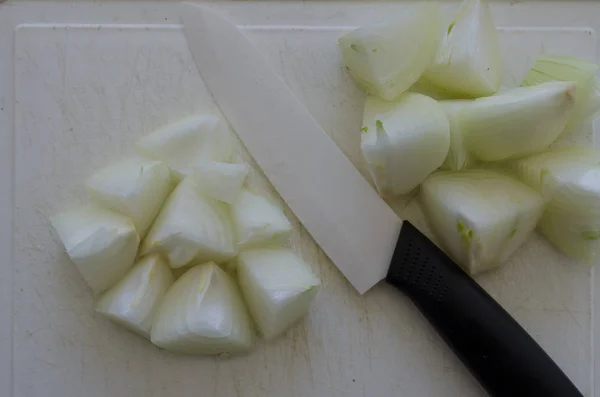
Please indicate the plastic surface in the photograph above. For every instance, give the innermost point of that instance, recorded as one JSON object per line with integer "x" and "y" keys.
{"x": 80, "y": 85}
{"x": 496, "y": 349}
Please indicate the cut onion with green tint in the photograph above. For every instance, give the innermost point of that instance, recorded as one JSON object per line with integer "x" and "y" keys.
{"x": 277, "y": 286}
{"x": 135, "y": 299}
{"x": 386, "y": 58}
{"x": 517, "y": 122}
{"x": 569, "y": 180}
{"x": 188, "y": 141}
{"x": 564, "y": 68}
{"x": 458, "y": 157}
{"x": 403, "y": 141}
{"x": 258, "y": 221}
{"x": 135, "y": 187}
{"x": 203, "y": 313}
{"x": 480, "y": 216}
{"x": 102, "y": 244}
{"x": 221, "y": 181}
{"x": 191, "y": 227}
{"x": 468, "y": 61}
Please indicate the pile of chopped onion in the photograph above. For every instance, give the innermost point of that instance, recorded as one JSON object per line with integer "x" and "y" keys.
{"x": 191, "y": 207}
{"x": 480, "y": 216}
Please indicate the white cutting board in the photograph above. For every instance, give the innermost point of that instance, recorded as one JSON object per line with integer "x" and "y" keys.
{"x": 89, "y": 79}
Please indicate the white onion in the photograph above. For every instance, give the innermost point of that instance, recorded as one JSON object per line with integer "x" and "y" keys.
{"x": 135, "y": 187}
{"x": 191, "y": 227}
{"x": 203, "y": 313}
{"x": 517, "y": 122}
{"x": 102, "y": 244}
{"x": 480, "y": 216}
{"x": 569, "y": 180}
{"x": 257, "y": 220}
{"x": 458, "y": 157}
{"x": 277, "y": 286}
{"x": 564, "y": 68}
{"x": 403, "y": 141}
{"x": 387, "y": 57}
{"x": 221, "y": 181}
{"x": 188, "y": 141}
{"x": 468, "y": 60}
{"x": 135, "y": 299}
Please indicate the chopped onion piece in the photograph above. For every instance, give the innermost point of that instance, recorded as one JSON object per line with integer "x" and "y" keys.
{"x": 135, "y": 299}
{"x": 191, "y": 227}
{"x": 257, "y": 220}
{"x": 564, "y": 68}
{"x": 135, "y": 187}
{"x": 517, "y": 122}
{"x": 203, "y": 313}
{"x": 188, "y": 141}
{"x": 591, "y": 109}
{"x": 458, "y": 157}
{"x": 221, "y": 181}
{"x": 569, "y": 180}
{"x": 481, "y": 216}
{"x": 387, "y": 57}
{"x": 403, "y": 141}
{"x": 468, "y": 60}
{"x": 277, "y": 286}
{"x": 102, "y": 243}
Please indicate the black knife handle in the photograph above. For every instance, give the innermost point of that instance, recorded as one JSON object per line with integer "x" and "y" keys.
{"x": 493, "y": 346}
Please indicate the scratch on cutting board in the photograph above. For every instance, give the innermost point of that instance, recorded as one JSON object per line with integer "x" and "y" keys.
{"x": 216, "y": 377}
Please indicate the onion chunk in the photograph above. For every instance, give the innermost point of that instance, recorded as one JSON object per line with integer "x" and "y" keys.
{"x": 191, "y": 227}
{"x": 386, "y": 58}
{"x": 135, "y": 299}
{"x": 569, "y": 180}
{"x": 135, "y": 187}
{"x": 563, "y": 68}
{"x": 221, "y": 181}
{"x": 188, "y": 141}
{"x": 468, "y": 62}
{"x": 517, "y": 122}
{"x": 480, "y": 216}
{"x": 278, "y": 287}
{"x": 258, "y": 221}
{"x": 203, "y": 313}
{"x": 102, "y": 244}
{"x": 403, "y": 141}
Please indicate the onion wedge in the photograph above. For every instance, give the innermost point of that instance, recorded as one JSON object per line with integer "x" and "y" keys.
{"x": 386, "y": 58}
{"x": 188, "y": 141}
{"x": 102, "y": 244}
{"x": 135, "y": 187}
{"x": 203, "y": 313}
{"x": 278, "y": 287}
{"x": 403, "y": 141}
{"x": 517, "y": 122}
{"x": 480, "y": 216}
{"x": 135, "y": 299}
{"x": 191, "y": 227}
{"x": 569, "y": 180}
{"x": 468, "y": 62}
{"x": 258, "y": 221}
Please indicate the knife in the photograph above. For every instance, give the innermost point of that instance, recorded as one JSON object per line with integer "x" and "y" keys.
{"x": 361, "y": 235}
